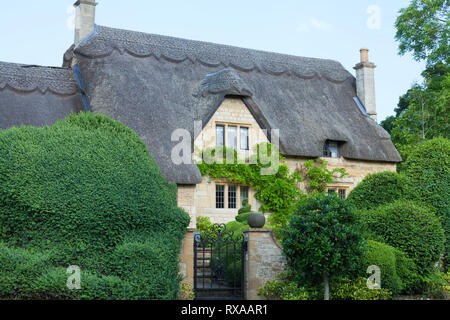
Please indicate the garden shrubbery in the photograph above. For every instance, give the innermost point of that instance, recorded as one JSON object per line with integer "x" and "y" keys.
{"x": 86, "y": 192}
{"x": 378, "y": 189}
{"x": 428, "y": 172}
{"x": 409, "y": 227}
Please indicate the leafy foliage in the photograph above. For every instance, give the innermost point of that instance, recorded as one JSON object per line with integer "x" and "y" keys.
{"x": 428, "y": 172}
{"x": 378, "y": 189}
{"x": 423, "y": 28}
{"x": 323, "y": 237}
{"x": 356, "y": 289}
{"x": 278, "y": 192}
{"x": 86, "y": 192}
{"x": 383, "y": 256}
{"x": 318, "y": 176}
{"x": 409, "y": 227}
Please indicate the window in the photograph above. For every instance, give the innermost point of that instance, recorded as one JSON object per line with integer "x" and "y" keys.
{"x": 342, "y": 193}
{"x": 331, "y": 149}
{"x": 220, "y": 136}
{"x": 220, "y": 197}
{"x": 244, "y": 194}
{"x": 232, "y": 197}
{"x": 244, "y": 138}
{"x": 232, "y": 137}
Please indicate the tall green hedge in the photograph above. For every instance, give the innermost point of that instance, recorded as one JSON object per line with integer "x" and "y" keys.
{"x": 409, "y": 227}
{"x": 378, "y": 189}
{"x": 86, "y": 192}
{"x": 428, "y": 172}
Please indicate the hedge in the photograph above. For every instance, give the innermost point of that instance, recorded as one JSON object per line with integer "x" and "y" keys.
{"x": 378, "y": 189}
{"x": 428, "y": 172}
{"x": 86, "y": 192}
{"x": 410, "y": 228}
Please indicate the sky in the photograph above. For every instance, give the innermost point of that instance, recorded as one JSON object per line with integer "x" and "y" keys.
{"x": 39, "y": 32}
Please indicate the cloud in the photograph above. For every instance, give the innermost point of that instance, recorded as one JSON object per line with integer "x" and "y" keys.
{"x": 314, "y": 24}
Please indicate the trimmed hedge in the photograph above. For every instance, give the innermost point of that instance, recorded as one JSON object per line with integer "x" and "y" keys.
{"x": 409, "y": 227}
{"x": 383, "y": 256}
{"x": 378, "y": 189}
{"x": 428, "y": 172}
{"x": 86, "y": 192}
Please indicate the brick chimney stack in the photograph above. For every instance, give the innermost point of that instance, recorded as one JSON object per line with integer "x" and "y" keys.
{"x": 84, "y": 19}
{"x": 365, "y": 83}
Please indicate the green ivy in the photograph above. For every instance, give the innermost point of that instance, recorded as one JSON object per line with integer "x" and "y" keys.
{"x": 279, "y": 192}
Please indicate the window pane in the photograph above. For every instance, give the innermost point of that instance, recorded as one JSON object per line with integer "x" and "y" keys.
{"x": 342, "y": 193}
{"x": 220, "y": 197}
{"x": 244, "y": 138}
{"x": 244, "y": 194}
{"x": 220, "y": 136}
{"x": 331, "y": 191}
{"x": 232, "y": 197}
{"x": 232, "y": 137}
{"x": 334, "y": 151}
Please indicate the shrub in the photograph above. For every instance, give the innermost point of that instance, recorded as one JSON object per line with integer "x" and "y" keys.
{"x": 356, "y": 289}
{"x": 409, "y": 227}
{"x": 383, "y": 256}
{"x": 428, "y": 170}
{"x": 86, "y": 192}
{"x": 407, "y": 272}
{"x": 323, "y": 239}
{"x": 203, "y": 224}
{"x": 244, "y": 212}
{"x": 378, "y": 189}
{"x": 283, "y": 290}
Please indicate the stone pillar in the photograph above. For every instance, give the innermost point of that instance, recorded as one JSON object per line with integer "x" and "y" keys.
{"x": 84, "y": 19}
{"x": 365, "y": 83}
{"x": 187, "y": 257}
{"x": 264, "y": 261}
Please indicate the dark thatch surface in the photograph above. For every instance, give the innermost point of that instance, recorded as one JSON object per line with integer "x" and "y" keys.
{"x": 156, "y": 84}
{"x": 35, "y": 95}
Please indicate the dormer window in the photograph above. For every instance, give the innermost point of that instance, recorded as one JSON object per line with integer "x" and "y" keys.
{"x": 331, "y": 149}
{"x": 233, "y": 136}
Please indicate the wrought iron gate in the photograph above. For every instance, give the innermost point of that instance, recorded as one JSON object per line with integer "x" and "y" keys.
{"x": 219, "y": 257}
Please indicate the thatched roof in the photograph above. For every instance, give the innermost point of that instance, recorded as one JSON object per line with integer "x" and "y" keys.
{"x": 156, "y": 84}
{"x": 35, "y": 95}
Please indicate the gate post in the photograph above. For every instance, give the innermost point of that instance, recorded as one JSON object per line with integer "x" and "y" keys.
{"x": 186, "y": 258}
{"x": 264, "y": 261}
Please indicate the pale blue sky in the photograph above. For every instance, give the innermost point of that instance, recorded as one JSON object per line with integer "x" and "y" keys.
{"x": 38, "y": 32}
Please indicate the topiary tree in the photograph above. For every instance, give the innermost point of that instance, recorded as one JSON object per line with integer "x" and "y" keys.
{"x": 428, "y": 172}
{"x": 378, "y": 189}
{"x": 383, "y": 256}
{"x": 244, "y": 212}
{"x": 323, "y": 240}
{"x": 409, "y": 227}
{"x": 86, "y": 192}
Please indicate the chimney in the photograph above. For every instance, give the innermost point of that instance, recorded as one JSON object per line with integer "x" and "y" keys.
{"x": 365, "y": 83}
{"x": 84, "y": 19}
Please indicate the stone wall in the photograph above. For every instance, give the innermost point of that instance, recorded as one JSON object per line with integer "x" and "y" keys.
{"x": 356, "y": 169}
{"x": 264, "y": 261}
{"x": 186, "y": 258}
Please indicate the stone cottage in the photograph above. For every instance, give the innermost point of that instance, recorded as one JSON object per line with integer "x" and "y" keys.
{"x": 220, "y": 95}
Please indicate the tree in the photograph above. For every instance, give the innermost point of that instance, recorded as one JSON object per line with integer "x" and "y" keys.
{"x": 423, "y": 28}
{"x": 323, "y": 240}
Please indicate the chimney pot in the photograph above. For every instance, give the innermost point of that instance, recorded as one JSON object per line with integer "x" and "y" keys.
{"x": 364, "y": 55}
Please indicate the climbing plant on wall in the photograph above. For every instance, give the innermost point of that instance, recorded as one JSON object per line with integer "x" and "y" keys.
{"x": 279, "y": 191}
